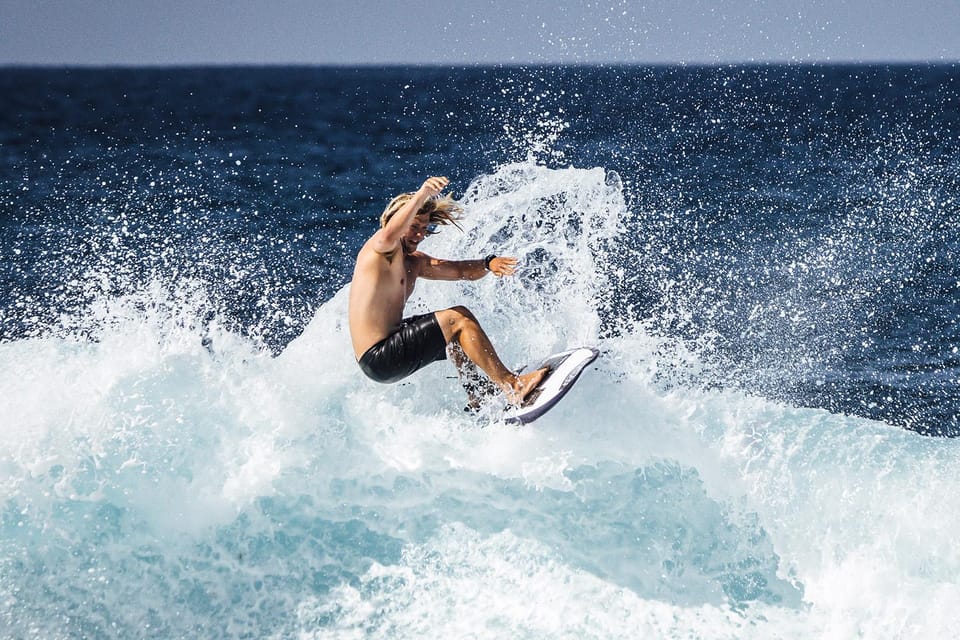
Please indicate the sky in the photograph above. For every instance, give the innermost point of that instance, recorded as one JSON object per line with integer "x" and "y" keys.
{"x": 199, "y": 32}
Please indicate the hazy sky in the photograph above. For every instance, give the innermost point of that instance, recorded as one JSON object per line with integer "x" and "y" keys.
{"x": 137, "y": 32}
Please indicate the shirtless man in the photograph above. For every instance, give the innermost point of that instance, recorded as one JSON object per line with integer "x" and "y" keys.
{"x": 389, "y": 347}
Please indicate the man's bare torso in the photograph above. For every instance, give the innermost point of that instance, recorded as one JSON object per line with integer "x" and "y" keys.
{"x": 381, "y": 285}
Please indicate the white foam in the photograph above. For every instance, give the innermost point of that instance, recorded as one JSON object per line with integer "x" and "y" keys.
{"x": 190, "y": 477}
{"x": 464, "y": 585}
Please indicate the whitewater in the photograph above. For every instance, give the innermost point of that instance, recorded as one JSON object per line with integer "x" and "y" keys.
{"x": 162, "y": 475}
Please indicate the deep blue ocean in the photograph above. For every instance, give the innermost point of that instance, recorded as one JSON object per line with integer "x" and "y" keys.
{"x": 767, "y": 257}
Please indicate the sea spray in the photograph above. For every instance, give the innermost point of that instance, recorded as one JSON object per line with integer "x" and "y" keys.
{"x": 172, "y": 479}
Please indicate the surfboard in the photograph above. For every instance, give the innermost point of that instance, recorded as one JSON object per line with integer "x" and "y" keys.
{"x": 564, "y": 369}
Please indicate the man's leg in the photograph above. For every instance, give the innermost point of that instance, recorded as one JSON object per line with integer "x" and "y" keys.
{"x": 459, "y": 324}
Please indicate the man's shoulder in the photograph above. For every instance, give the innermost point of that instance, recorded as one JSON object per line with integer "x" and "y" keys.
{"x": 418, "y": 258}
{"x": 374, "y": 249}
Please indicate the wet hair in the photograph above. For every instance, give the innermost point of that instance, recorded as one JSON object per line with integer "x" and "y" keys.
{"x": 442, "y": 209}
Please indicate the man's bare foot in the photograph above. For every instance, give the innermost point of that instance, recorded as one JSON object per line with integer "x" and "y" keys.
{"x": 525, "y": 384}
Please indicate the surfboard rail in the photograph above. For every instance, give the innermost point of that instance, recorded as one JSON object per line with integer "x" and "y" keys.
{"x": 565, "y": 368}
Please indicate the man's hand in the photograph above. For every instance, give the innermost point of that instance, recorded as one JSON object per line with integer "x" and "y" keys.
{"x": 433, "y": 186}
{"x": 503, "y": 266}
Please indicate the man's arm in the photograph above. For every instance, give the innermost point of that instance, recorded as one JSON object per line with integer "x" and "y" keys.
{"x": 437, "y": 269}
{"x": 387, "y": 239}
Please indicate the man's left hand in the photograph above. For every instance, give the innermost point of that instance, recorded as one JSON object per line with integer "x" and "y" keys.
{"x": 503, "y": 266}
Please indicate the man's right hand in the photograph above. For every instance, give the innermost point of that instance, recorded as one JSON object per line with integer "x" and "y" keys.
{"x": 433, "y": 186}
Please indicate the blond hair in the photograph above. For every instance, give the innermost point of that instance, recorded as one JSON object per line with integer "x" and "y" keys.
{"x": 442, "y": 209}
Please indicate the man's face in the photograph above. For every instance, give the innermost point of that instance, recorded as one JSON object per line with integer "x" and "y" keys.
{"x": 416, "y": 233}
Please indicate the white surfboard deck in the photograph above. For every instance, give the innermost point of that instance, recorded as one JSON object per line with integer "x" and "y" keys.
{"x": 565, "y": 367}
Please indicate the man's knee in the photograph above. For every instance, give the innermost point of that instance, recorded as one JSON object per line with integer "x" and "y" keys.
{"x": 462, "y": 312}
{"x": 455, "y": 318}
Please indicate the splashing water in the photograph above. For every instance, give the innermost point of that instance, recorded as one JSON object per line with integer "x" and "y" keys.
{"x": 170, "y": 478}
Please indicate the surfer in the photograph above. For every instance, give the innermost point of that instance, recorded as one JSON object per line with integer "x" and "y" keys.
{"x": 389, "y": 347}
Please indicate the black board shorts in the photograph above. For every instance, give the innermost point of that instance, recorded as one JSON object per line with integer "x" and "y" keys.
{"x": 414, "y": 344}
